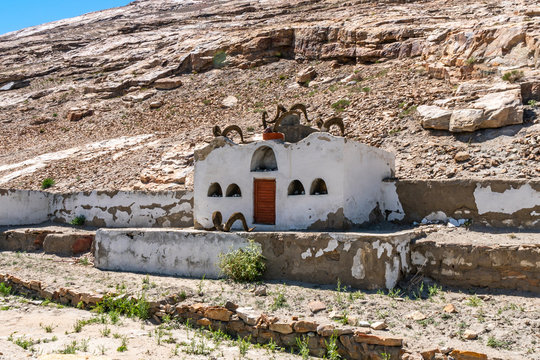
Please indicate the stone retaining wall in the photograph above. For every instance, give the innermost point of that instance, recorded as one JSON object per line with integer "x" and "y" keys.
{"x": 52, "y": 240}
{"x": 353, "y": 343}
{"x": 361, "y": 260}
{"x": 465, "y": 265}
{"x": 496, "y": 203}
{"x": 100, "y": 208}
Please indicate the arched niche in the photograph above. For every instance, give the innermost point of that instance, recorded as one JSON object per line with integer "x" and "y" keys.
{"x": 215, "y": 190}
{"x": 264, "y": 159}
{"x": 233, "y": 190}
{"x": 318, "y": 187}
{"x": 296, "y": 188}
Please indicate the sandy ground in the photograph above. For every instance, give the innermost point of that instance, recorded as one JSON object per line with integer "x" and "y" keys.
{"x": 49, "y": 328}
{"x": 507, "y": 320}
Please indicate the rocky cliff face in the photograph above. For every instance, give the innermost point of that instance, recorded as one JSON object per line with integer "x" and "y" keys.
{"x": 120, "y": 98}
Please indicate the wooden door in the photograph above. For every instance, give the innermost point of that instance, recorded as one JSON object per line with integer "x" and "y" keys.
{"x": 264, "y": 194}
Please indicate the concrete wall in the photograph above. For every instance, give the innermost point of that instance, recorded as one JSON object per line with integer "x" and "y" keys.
{"x": 361, "y": 260}
{"x": 496, "y": 203}
{"x": 21, "y": 207}
{"x": 125, "y": 208}
{"x": 353, "y": 173}
{"x": 507, "y": 266}
{"x": 101, "y": 208}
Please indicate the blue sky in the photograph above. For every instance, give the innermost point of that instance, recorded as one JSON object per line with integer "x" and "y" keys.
{"x": 18, "y": 14}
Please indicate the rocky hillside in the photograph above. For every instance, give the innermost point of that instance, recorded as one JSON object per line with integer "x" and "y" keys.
{"x": 120, "y": 98}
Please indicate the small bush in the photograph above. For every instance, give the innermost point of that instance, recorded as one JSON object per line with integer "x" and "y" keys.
{"x": 513, "y": 76}
{"x": 125, "y": 306}
{"x": 79, "y": 220}
{"x": 4, "y": 289}
{"x": 533, "y": 103}
{"x": 47, "y": 183}
{"x": 243, "y": 265}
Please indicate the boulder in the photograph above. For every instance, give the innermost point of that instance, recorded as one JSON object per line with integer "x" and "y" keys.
{"x": 466, "y": 120}
{"x": 462, "y": 156}
{"x": 167, "y": 83}
{"x": 434, "y": 117}
{"x": 76, "y": 114}
{"x": 500, "y": 109}
{"x": 13, "y": 85}
{"x": 156, "y": 104}
{"x": 306, "y": 75}
{"x": 229, "y": 101}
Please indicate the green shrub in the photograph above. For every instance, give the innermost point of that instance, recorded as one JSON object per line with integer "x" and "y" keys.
{"x": 79, "y": 220}
{"x": 4, "y": 289}
{"x": 513, "y": 76}
{"x": 243, "y": 265}
{"x": 124, "y": 306}
{"x": 47, "y": 183}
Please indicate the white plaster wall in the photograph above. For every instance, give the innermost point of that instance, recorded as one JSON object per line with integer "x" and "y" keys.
{"x": 353, "y": 173}
{"x": 23, "y": 207}
{"x": 178, "y": 252}
{"x": 507, "y": 202}
{"x": 123, "y": 208}
{"x": 365, "y": 168}
{"x": 390, "y": 201}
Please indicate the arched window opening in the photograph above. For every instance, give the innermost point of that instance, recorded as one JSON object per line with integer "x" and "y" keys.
{"x": 233, "y": 191}
{"x": 318, "y": 187}
{"x": 215, "y": 190}
{"x": 296, "y": 188}
{"x": 264, "y": 159}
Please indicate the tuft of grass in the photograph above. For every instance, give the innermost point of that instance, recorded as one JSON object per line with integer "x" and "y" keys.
{"x": 303, "y": 348}
{"x": 47, "y": 183}
{"x": 78, "y": 220}
{"x": 121, "y": 305}
{"x": 4, "y": 289}
{"x": 513, "y": 76}
{"x": 123, "y": 346}
{"x": 83, "y": 261}
{"x": 70, "y": 348}
{"x": 408, "y": 111}
{"x": 533, "y": 103}
{"x": 243, "y": 345}
{"x": 498, "y": 344}
{"x": 332, "y": 348}
{"x": 474, "y": 301}
{"x": 471, "y": 61}
{"x": 341, "y": 105}
{"x": 279, "y": 301}
{"x": 243, "y": 265}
